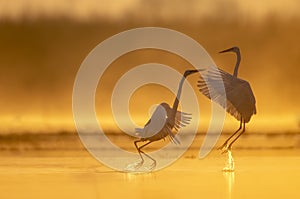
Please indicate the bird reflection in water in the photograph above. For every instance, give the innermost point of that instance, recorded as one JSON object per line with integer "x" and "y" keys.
{"x": 229, "y": 180}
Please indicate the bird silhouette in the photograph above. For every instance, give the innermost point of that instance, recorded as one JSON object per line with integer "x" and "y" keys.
{"x": 164, "y": 122}
{"x": 240, "y": 100}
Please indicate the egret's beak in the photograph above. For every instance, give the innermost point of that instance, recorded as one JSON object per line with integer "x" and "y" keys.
{"x": 228, "y": 50}
{"x": 189, "y": 72}
{"x": 195, "y": 71}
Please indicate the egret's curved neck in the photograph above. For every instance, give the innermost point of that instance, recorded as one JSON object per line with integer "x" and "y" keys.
{"x": 176, "y": 101}
{"x": 238, "y": 60}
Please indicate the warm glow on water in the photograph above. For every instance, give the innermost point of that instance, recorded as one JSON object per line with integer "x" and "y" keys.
{"x": 78, "y": 175}
{"x": 43, "y": 44}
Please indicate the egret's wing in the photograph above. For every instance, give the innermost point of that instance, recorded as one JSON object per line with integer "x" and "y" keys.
{"x": 172, "y": 136}
{"x": 181, "y": 120}
{"x": 217, "y": 85}
{"x": 155, "y": 124}
{"x": 242, "y": 98}
{"x": 148, "y": 122}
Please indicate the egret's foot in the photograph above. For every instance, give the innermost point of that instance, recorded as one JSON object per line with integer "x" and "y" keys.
{"x": 229, "y": 165}
{"x": 152, "y": 166}
{"x": 225, "y": 148}
{"x": 134, "y": 166}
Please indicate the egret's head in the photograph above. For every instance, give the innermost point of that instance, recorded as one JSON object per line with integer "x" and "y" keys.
{"x": 189, "y": 72}
{"x": 233, "y": 49}
{"x": 165, "y": 105}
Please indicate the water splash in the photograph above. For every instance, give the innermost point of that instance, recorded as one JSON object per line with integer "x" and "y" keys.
{"x": 138, "y": 167}
{"x": 229, "y": 164}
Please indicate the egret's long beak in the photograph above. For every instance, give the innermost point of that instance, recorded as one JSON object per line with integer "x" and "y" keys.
{"x": 197, "y": 70}
{"x": 189, "y": 72}
{"x": 227, "y": 50}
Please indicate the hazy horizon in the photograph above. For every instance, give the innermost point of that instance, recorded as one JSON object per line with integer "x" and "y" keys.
{"x": 40, "y": 58}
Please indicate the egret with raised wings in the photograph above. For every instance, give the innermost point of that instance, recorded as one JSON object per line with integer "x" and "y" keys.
{"x": 164, "y": 122}
{"x": 240, "y": 100}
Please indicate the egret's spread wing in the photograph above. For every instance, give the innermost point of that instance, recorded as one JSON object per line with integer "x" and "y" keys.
{"x": 155, "y": 124}
{"x": 172, "y": 136}
{"x": 217, "y": 85}
{"x": 181, "y": 120}
{"x": 242, "y": 98}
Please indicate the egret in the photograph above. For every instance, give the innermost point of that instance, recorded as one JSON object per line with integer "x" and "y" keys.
{"x": 240, "y": 100}
{"x": 164, "y": 122}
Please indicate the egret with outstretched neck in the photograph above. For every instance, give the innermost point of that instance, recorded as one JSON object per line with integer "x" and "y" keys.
{"x": 240, "y": 100}
{"x": 164, "y": 122}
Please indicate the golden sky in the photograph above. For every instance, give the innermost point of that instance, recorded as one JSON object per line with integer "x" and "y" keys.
{"x": 167, "y": 9}
{"x": 39, "y": 60}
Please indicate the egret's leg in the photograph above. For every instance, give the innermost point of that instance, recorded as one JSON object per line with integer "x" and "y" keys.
{"x": 152, "y": 166}
{"x": 144, "y": 145}
{"x": 226, "y": 142}
{"x": 230, "y": 145}
{"x": 139, "y": 149}
{"x": 136, "y": 165}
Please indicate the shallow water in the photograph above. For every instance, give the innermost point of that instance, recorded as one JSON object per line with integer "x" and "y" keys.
{"x": 76, "y": 174}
